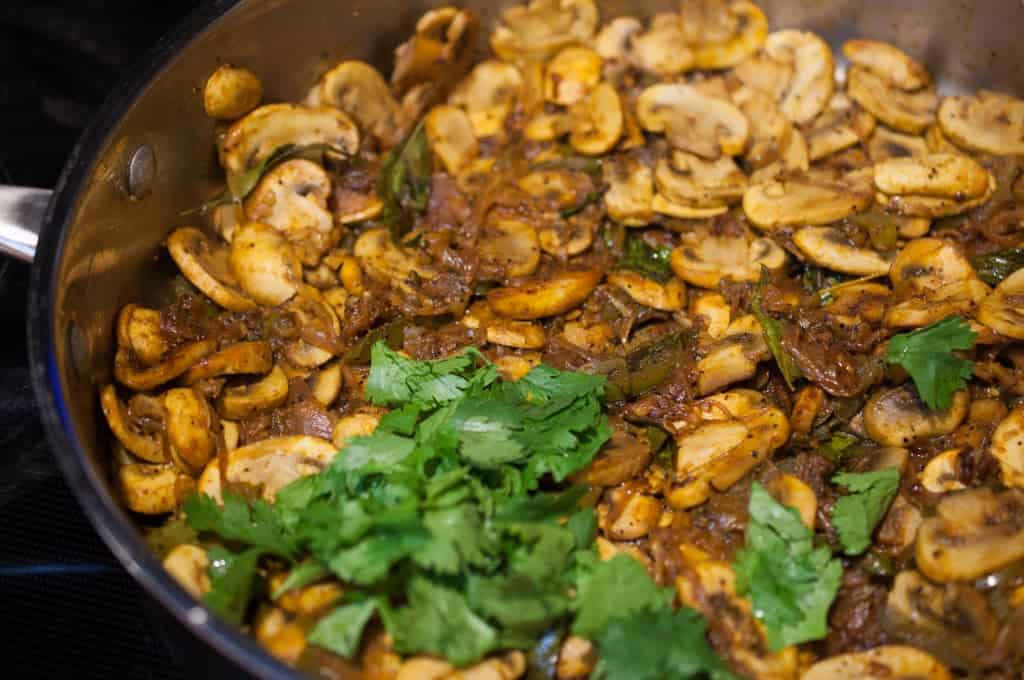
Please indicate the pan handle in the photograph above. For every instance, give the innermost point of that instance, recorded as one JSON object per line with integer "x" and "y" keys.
{"x": 21, "y": 217}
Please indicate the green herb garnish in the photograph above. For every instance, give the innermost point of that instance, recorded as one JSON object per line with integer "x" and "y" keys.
{"x": 856, "y": 515}
{"x": 650, "y": 261}
{"x": 927, "y": 355}
{"x": 836, "y": 447}
{"x": 995, "y": 267}
{"x": 588, "y": 200}
{"x": 404, "y": 182}
{"x": 772, "y": 329}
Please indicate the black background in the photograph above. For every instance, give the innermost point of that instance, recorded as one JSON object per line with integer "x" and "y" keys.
{"x": 68, "y": 609}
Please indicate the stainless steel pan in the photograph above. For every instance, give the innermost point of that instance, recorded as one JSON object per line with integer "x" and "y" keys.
{"x": 148, "y": 156}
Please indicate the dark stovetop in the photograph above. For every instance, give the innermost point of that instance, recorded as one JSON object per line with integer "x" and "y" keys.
{"x": 69, "y": 608}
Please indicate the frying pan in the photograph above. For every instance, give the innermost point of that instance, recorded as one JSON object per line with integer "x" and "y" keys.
{"x": 148, "y": 157}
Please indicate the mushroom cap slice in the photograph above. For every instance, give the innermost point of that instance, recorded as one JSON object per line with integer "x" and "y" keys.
{"x": 488, "y": 94}
{"x": 888, "y": 62}
{"x": 360, "y": 90}
{"x": 571, "y": 75}
{"x": 145, "y": 445}
{"x": 691, "y": 180}
{"x": 1002, "y": 311}
{"x": 989, "y": 122}
{"x": 509, "y": 248}
{"x": 661, "y": 49}
{"x": 205, "y": 265}
{"x": 292, "y": 198}
{"x": 941, "y": 175}
{"x": 826, "y": 247}
{"x": 906, "y": 111}
{"x": 630, "y": 191}
{"x": 1008, "y": 447}
{"x": 191, "y": 429}
{"x": 974, "y": 533}
{"x": 888, "y": 662}
{"x": 664, "y": 206}
{"x": 231, "y": 92}
{"x": 885, "y": 144}
{"x": 896, "y": 416}
{"x": 597, "y": 121}
{"x": 265, "y": 264}
{"x": 538, "y": 299}
{"x": 750, "y": 31}
{"x": 152, "y": 489}
{"x": 139, "y": 330}
{"x": 841, "y": 125}
{"x": 802, "y": 201}
{"x": 269, "y": 465}
{"x": 932, "y": 279}
{"x": 251, "y": 140}
{"x": 613, "y": 41}
{"x": 668, "y": 297}
{"x": 238, "y": 359}
{"x": 692, "y": 120}
{"x": 263, "y": 395}
{"x": 382, "y": 260}
{"x": 173, "y": 365}
{"x": 451, "y": 137}
{"x": 734, "y": 357}
{"x": 813, "y": 81}
{"x": 942, "y": 473}
{"x": 910, "y": 205}
{"x": 703, "y": 259}
{"x": 538, "y": 30}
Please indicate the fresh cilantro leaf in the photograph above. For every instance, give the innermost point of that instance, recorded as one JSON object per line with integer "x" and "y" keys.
{"x": 791, "y": 583}
{"x": 650, "y": 261}
{"x": 232, "y": 576}
{"x": 341, "y": 630}
{"x": 583, "y": 526}
{"x": 303, "y": 574}
{"x": 395, "y": 380}
{"x": 772, "y": 330}
{"x": 521, "y": 607}
{"x": 369, "y": 560}
{"x": 661, "y": 644}
{"x": 404, "y": 182}
{"x": 254, "y": 524}
{"x": 995, "y": 267}
{"x": 855, "y": 515}
{"x": 927, "y": 355}
{"x": 457, "y": 539}
{"x": 597, "y": 603}
{"x": 438, "y": 620}
{"x": 835, "y": 448}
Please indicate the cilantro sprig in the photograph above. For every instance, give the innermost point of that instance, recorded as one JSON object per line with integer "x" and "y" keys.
{"x": 856, "y": 514}
{"x": 927, "y": 355}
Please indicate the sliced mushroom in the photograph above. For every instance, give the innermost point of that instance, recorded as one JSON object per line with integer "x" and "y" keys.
{"x": 749, "y": 28}
{"x": 451, "y": 137}
{"x": 319, "y": 327}
{"x": 547, "y": 127}
{"x": 176, "y": 363}
{"x": 268, "y": 465}
{"x": 631, "y": 515}
{"x": 205, "y": 265}
{"x": 896, "y": 416}
{"x": 905, "y": 111}
{"x": 690, "y": 180}
{"x": 1003, "y": 310}
{"x": 566, "y": 239}
{"x": 571, "y": 75}
{"x": 1008, "y": 447}
{"x": 513, "y": 367}
{"x": 191, "y": 429}
{"x": 802, "y": 201}
{"x": 148, "y": 446}
{"x": 989, "y": 122}
{"x": 630, "y": 191}
{"x": 888, "y": 62}
{"x": 974, "y": 533}
{"x": 326, "y": 384}
{"x": 737, "y": 431}
{"x": 263, "y": 395}
{"x": 761, "y": 72}
{"x": 768, "y": 127}
{"x": 613, "y": 42}
{"x": 241, "y": 358}
{"x": 538, "y": 299}
{"x": 622, "y": 458}
{"x": 189, "y": 564}
{"x": 382, "y": 260}
{"x": 505, "y": 332}
{"x": 931, "y": 280}
{"x": 152, "y": 489}
{"x": 826, "y": 247}
{"x": 791, "y": 491}
{"x": 252, "y": 140}
{"x": 664, "y": 206}
{"x": 355, "y": 425}
{"x": 231, "y": 92}
{"x": 577, "y": 658}
{"x": 888, "y": 662}
{"x": 942, "y": 473}
{"x": 292, "y": 198}
{"x": 668, "y": 297}
{"x": 939, "y": 175}
{"x": 509, "y": 248}
{"x": 660, "y": 49}
{"x": 265, "y": 264}
{"x": 885, "y": 144}
{"x": 841, "y": 125}
{"x": 538, "y": 30}
{"x": 139, "y": 329}
{"x": 734, "y": 357}
{"x": 597, "y": 121}
{"x": 360, "y": 90}
{"x": 489, "y": 95}
{"x": 712, "y": 312}
{"x": 703, "y": 258}
{"x": 812, "y": 83}
{"x": 693, "y": 121}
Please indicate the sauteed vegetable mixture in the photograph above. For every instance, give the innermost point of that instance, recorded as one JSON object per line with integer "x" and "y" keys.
{"x": 640, "y": 349}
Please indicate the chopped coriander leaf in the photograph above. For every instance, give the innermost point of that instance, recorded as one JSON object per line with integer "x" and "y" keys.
{"x": 254, "y": 524}
{"x": 232, "y": 576}
{"x": 772, "y": 329}
{"x": 341, "y": 630}
{"x": 309, "y": 571}
{"x": 836, "y": 447}
{"x": 856, "y": 515}
{"x": 595, "y": 609}
{"x": 791, "y": 583}
{"x": 927, "y": 355}
{"x": 650, "y": 261}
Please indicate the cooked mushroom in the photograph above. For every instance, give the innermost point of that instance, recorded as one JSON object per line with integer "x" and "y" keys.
{"x": 535, "y": 31}
{"x": 173, "y": 365}
{"x": 264, "y": 264}
{"x": 188, "y": 564}
{"x": 571, "y": 75}
{"x": 205, "y": 265}
{"x": 576, "y": 658}
{"x": 1008, "y": 447}
{"x": 689, "y": 180}
{"x": 240, "y": 358}
{"x": 509, "y": 248}
{"x": 489, "y": 94}
{"x": 360, "y": 90}
{"x": 662, "y": 205}
{"x": 505, "y": 332}
{"x": 812, "y": 82}
{"x": 885, "y": 144}
{"x": 803, "y": 201}
{"x": 931, "y": 280}
{"x": 630, "y": 191}
{"x": 942, "y": 473}
{"x": 631, "y": 515}
{"x": 355, "y": 425}
{"x": 191, "y": 429}
{"x": 451, "y": 137}
{"x": 660, "y": 49}
{"x": 668, "y": 297}
{"x": 737, "y": 431}
{"x": 231, "y": 92}
{"x": 147, "y": 445}
{"x": 748, "y": 30}
{"x": 382, "y": 260}
{"x": 597, "y": 121}
{"x": 896, "y": 416}
{"x": 693, "y": 121}
{"x": 247, "y": 400}
{"x": 734, "y": 357}
{"x": 139, "y": 332}
{"x": 536, "y": 300}
{"x": 940, "y": 175}
{"x": 888, "y": 62}
{"x": 268, "y": 465}
{"x": 712, "y": 312}
{"x": 791, "y": 491}
{"x": 319, "y": 329}
{"x": 826, "y": 247}
{"x": 842, "y": 124}
{"x": 888, "y": 662}
{"x": 989, "y": 122}
{"x": 905, "y": 111}
{"x": 975, "y": 532}
{"x": 252, "y": 140}
{"x": 703, "y": 258}
{"x": 292, "y": 198}
{"x": 547, "y": 127}
{"x": 152, "y": 489}
{"x": 1003, "y": 311}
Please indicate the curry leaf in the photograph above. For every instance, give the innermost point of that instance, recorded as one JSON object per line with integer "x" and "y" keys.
{"x": 404, "y": 182}
{"x": 927, "y": 355}
{"x": 650, "y": 261}
{"x": 995, "y": 267}
{"x": 772, "y": 329}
